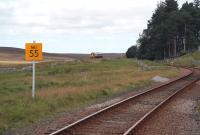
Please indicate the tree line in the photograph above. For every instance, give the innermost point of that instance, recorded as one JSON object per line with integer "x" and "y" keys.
{"x": 170, "y": 32}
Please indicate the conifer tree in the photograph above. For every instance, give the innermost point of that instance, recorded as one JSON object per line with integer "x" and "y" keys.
{"x": 197, "y": 3}
{"x": 170, "y": 31}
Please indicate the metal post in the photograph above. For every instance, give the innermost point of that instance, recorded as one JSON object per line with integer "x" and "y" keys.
{"x": 184, "y": 40}
{"x": 33, "y": 81}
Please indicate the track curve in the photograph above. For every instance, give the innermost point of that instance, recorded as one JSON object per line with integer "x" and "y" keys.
{"x": 122, "y": 117}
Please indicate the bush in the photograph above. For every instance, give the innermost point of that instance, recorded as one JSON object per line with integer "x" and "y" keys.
{"x": 132, "y": 52}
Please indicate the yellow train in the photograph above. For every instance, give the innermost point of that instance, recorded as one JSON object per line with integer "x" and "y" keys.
{"x": 94, "y": 55}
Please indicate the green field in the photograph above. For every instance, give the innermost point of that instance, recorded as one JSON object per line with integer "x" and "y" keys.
{"x": 64, "y": 86}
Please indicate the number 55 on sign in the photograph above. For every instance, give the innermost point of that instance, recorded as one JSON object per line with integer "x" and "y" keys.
{"x": 33, "y": 51}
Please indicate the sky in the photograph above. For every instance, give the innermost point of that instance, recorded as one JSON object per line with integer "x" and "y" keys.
{"x": 75, "y": 26}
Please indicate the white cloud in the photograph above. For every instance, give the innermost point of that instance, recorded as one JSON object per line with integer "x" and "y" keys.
{"x": 54, "y": 18}
{"x": 67, "y": 16}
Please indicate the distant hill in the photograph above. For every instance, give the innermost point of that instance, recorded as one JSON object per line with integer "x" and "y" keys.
{"x": 11, "y": 50}
{"x": 9, "y": 53}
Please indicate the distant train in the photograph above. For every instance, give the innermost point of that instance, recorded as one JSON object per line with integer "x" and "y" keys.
{"x": 94, "y": 55}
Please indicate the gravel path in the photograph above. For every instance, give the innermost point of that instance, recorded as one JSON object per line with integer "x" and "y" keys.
{"x": 179, "y": 117}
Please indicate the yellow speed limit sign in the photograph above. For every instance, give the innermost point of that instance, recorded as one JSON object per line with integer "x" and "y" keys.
{"x": 33, "y": 52}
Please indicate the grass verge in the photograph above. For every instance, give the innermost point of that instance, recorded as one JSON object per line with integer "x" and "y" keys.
{"x": 190, "y": 60}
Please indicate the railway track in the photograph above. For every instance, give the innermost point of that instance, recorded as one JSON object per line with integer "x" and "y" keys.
{"x": 123, "y": 117}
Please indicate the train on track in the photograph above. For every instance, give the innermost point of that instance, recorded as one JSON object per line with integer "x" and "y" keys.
{"x": 95, "y": 55}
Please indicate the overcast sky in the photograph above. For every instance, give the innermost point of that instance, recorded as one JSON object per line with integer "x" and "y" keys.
{"x": 75, "y": 26}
